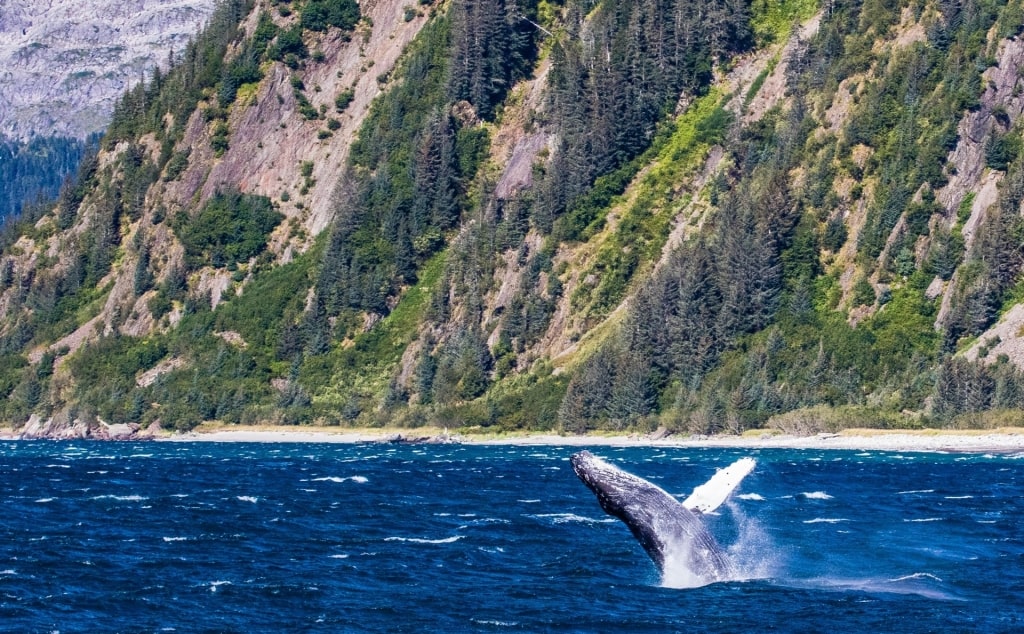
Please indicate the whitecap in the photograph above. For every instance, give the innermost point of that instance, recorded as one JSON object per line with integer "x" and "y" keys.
{"x": 175, "y": 539}
{"x": 925, "y": 519}
{"x": 497, "y": 623}
{"x": 751, "y": 496}
{"x": 959, "y": 497}
{"x": 565, "y": 518}
{"x": 826, "y": 520}
{"x": 45, "y": 500}
{"x": 339, "y": 556}
{"x": 121, "y": 498}
{"x": 528, "y": 501}
{"x": 916, "y": 575}
{"x": 486, "y": 520}
{"x": 216, "y": 584}
{"x": 337, "y": 479}
{"x": 247, "y": 498}
{"x": 816, "y": 495}
{"x": 420, "y": 540}
{"x": 915, "y": 491}
{"x": 58, "y": 466}
{"x": 8, "y": 572}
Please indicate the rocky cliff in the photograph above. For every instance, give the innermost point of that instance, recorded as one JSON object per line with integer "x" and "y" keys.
{"x": 64, "y": 63}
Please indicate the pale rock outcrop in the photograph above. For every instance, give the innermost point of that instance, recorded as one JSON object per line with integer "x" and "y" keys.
{"x": 65, "y": 63}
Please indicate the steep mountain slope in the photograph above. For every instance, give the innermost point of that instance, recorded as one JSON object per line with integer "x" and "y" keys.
{"x": 517, "y": 214}
{"x": 66, "y": 62}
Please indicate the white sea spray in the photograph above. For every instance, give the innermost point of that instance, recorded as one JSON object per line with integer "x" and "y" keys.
{"x": 816, "y": 495}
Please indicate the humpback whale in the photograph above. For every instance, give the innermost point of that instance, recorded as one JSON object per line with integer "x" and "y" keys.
{"x": 672, "y": 533}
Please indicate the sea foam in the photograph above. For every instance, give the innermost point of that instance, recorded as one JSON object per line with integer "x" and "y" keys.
{"x": 816, "y": 495}
{"x": 420, "y": 540}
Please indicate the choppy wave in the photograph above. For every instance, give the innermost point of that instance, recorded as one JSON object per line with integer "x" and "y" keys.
{"x": 121, "y": 498}
{"x": 532, "y": 548}
{"x": 338, "y": 480}
{"x": 816, "y": 495}
{"x": 916, "y": 575}
{"x": 422, "y": 540}
{"x": 567, "y": 518}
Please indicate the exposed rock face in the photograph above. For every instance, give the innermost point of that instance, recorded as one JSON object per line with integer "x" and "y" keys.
{"x": 60, "y": 427}
{"x": 64, "y": 63}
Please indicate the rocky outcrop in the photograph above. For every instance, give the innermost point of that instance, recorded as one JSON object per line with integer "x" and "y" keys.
{"x": 64, "y": 63}
{"x": 61, "y": 427}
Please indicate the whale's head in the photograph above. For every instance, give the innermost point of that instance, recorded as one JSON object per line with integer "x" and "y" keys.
{"x": 616, "y": 490}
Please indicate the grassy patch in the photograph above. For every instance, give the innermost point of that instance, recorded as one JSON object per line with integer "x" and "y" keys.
{"x": 646, "y": 222}
{"x": 755, "y": 86}
{"x": 772, "y": 20}
{"x": 361, "y": 371}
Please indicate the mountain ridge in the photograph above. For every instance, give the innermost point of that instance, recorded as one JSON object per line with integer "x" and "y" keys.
{"x": 468, "y": 236}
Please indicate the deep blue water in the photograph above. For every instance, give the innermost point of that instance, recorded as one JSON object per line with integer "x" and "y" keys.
{"x": 328, "y": 538}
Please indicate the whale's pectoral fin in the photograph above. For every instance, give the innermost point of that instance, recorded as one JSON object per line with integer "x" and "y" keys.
{"x": 713, "y": 493}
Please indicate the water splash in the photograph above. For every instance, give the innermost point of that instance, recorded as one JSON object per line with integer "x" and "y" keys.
{"x": 751, "y": 555}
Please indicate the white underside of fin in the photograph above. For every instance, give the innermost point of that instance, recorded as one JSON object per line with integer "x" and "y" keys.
{"x": 713, "y": 493}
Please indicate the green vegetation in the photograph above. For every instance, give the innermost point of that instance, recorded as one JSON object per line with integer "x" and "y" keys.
{"x": 804, "y": 294}
{"x": 33, "y": 172}
{"x": 357, "y": 375}
{"x": 319, "y": 15}
{"x": 772, "y": 20}
{"x": 645, "y": 223}
{"x": 232, "y": 227}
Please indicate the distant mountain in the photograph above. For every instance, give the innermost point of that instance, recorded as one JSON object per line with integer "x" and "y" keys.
{"x": 64, "y": 63}
{"x": 588, "y": 214}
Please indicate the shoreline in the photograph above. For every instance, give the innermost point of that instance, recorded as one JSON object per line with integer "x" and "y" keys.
{"x": 1001, "y": 440}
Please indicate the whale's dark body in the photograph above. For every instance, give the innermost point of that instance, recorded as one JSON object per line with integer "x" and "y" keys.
{"x": 666, "y": 529}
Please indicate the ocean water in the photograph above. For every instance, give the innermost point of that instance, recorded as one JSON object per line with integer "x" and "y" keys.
{"x": 154, "y": 537}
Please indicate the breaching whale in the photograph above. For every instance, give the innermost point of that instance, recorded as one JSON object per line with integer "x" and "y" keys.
{"x": 672, "y": 533}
